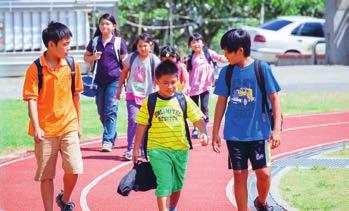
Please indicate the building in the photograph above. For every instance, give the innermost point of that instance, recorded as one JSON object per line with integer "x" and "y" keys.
{"x": 22, "y": 21}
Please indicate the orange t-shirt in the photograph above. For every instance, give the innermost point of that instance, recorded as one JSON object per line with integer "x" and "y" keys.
{"x": 56, "y": 111}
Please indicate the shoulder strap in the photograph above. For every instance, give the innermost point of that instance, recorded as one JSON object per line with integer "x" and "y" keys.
{"x": 94, "y": 43}
{"x": 117, "y": 45}
{"x": 71, "y": 64}
{"x": 183, "y": 103}
{"x": 133, "y": 57}
{"x": 260, "y": 79}
{"x": 39, "y": 68}
{"x": 228, "y": 76}
{"x": 151, "y": 106}
{"x": 152, "y": 66}
{"x": 209, "y": 58}
{"x": 189, "y": 62}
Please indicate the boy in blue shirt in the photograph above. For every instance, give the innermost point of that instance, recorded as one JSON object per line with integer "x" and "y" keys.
{"x": 247, "y": 130}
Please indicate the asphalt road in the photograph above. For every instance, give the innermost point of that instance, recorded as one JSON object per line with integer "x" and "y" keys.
{"x": 291, "y": 78}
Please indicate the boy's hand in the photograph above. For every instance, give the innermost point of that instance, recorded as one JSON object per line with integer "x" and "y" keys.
{"x": 135, "y": 154}
{"x": 275, "y": 139}
{"x": 39, "y": 135}
{"x": 203, "y": 139}
{"x": 216, "y": 143}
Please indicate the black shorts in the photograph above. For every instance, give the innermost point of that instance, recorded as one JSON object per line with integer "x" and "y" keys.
{"x": 258, "y": 152}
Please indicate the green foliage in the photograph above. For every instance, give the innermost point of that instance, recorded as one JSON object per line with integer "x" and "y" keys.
{"x": 209, "y": 17}
{"x": 317, "y": 188}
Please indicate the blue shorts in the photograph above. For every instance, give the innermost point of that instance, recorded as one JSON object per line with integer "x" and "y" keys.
{"x": 258, "y": 152}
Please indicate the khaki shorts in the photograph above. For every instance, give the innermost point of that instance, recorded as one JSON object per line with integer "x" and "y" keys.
{"x": 46, "y": 153}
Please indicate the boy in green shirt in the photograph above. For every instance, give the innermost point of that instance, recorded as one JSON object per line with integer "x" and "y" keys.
{"x": 167, "y": 141}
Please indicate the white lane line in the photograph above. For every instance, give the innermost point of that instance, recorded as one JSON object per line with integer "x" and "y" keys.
{"x": 317, "y": 114}
{"x": 86, "y": 190}
{"x": 230, "y": 184}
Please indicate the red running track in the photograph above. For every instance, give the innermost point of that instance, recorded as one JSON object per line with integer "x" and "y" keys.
{"x": 205, "y": 184}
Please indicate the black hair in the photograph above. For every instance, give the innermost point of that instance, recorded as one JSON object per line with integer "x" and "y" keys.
{"x": 195, "y": 36}
{"x": 110, "y": 18}
{"x": 166, "y": 67}
{"x": 148, "y": 39}
{"x": 234, "y": 39}
{"x": 55, "y": 32}
{"x": 167, "y": 51}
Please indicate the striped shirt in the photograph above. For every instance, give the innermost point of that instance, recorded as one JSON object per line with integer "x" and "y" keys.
{"x": 168, "y": 127}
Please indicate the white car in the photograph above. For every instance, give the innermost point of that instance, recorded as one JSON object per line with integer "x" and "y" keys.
{"x": 286, "y": 34}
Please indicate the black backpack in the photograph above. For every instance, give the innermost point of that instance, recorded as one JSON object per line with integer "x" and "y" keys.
{"x": 207, "y": 56}
{"x": 260, "y": 79}
{"x": 71, "y": 64}
{"x": 151, "y": 106}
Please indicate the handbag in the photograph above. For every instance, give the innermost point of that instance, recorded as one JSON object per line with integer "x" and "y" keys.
{"x": 90, "y": 87}
{"x": 140, "y": 178}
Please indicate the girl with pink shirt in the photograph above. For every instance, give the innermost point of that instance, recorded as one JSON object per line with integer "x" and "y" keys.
{"x": 201, "y": 73}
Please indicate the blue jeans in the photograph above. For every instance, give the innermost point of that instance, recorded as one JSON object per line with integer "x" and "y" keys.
{"x": 107, "y": 107}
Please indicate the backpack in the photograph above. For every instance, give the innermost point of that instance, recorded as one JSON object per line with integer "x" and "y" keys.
{"x": 260, "y": 79}
{"x": 152, "y": 63}
{"x": 151, "y": 107}
{"x": 71, "y": 64}
{"x": 207, "y": 56}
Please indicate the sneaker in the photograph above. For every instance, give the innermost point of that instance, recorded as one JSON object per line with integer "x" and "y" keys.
{"x": 262, "y": 207}
{"x": 128, "y": 155}
{"x": 64, "y": 206}
{"x": 195, "y": 134}
{"x": 107, "y": 147}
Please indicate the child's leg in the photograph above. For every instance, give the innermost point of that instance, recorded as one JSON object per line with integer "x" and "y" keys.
{"x": 71, "y": 162}
{"x": 69, "y": 182}
{"x": 204, "y": 98}
{"x": 47, "y": 193}
{"x": 263, "y": 184}
{"x": 240, "y": 189}
{"x": 174, "y": 198}
{"x": 100, "y": 103}
{"x": 162, "y": 203}
{"x": 132, "y": 110}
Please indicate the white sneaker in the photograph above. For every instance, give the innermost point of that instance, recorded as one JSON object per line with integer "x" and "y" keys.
{"x": 128, "y": 155}
{"x": 107, "y": 147}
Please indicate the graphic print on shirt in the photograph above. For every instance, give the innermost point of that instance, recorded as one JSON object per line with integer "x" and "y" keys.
{"x": 243, "y": 97}
{"x": 168, "y": 115}
{"x": 139, "y": 78}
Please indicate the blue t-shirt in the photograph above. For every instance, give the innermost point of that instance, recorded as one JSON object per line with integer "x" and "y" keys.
{"x": 243, "y": 118}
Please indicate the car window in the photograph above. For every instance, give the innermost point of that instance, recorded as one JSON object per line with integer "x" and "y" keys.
{"x": 296, "y": 30}
{"x": 312, "y": 29}
{"x": 275, "y": 25}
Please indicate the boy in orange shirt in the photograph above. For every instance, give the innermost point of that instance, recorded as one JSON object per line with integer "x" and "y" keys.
{"x": 53, "y": 104}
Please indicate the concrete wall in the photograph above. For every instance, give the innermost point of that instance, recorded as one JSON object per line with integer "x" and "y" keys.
{"x": 337, "y": 31}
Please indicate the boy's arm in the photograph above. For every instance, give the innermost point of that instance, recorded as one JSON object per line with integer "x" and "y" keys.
{"x": 201, "y": 125}
{"x": 33, "y": 115}
{"x": 218, "y": 115}
{"x": 76, "y": 100}
{"x": 275, "y": 137}
{"x": 122, "y": 79}
{"x": 140, "y": 132}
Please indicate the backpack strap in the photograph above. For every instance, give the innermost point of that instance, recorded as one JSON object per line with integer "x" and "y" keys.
{"x": 133, "y": 57}
{"x": 39, "y": 69}
{"x": 183, "y": 103}
{"x": 94, "y": 44}
{"x": 117, "y": 46}
{"x": 260, "y": 79}
{"x": 228, "y": 76}
{"x": 151, "y": 107}
{"x": 189, "y": 62}
{"x": 71, "y": 64}
{"x": 209, "y": 58}
{"x": 152, "y": 67}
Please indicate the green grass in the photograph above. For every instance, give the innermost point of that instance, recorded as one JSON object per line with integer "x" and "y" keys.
{"x": 14, "y": 116}
{"x": 342, "y": 153}
{"x": 316, "y": 188}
